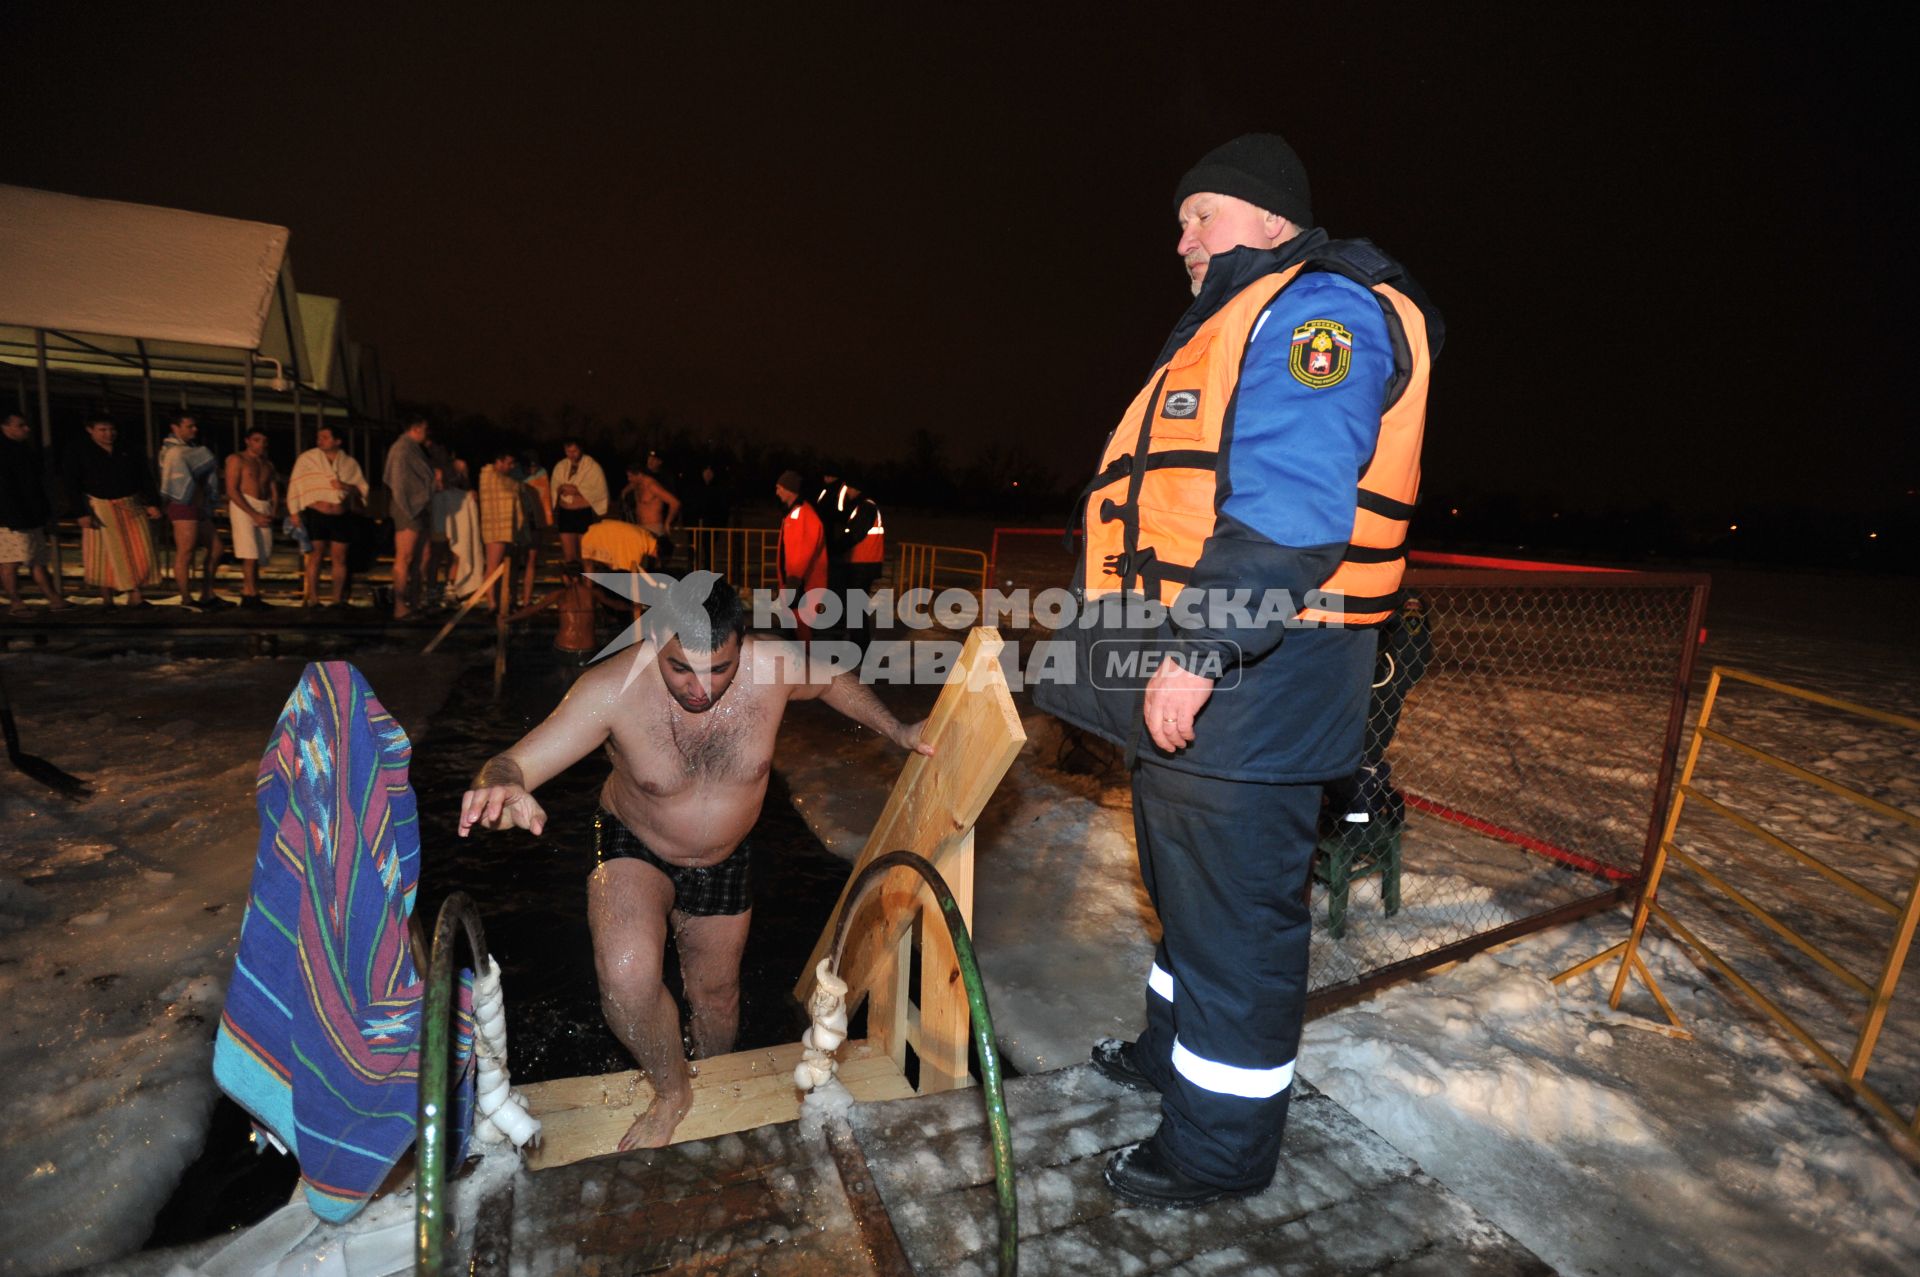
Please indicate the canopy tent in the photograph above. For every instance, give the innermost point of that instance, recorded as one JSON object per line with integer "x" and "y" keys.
{"x": 96, "y": 290}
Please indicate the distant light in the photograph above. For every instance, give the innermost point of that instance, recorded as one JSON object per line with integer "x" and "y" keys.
{"x": 1873, "y": 536}
{"x": 1733, "y": 527}
{"x": 1016, "y": 483}
{"x": 1454, "y": 511}
{"x": 1556, "y": 514}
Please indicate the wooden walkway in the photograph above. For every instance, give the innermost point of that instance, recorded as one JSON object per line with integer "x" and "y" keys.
{"x": 906, "y": 1186}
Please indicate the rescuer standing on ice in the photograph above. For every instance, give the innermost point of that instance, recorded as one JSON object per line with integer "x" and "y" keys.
{"x": 1271, "y": 461}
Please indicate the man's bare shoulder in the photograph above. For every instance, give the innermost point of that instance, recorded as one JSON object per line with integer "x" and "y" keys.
{"x": 775, "y": 664}
{"x": 619, "y": 676}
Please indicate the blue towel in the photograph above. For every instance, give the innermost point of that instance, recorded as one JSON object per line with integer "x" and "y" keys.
{"x": 319, "y": 1038}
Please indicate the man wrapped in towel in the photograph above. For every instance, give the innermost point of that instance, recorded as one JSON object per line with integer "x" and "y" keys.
{"x": 114, "y": 499}
{"x": 319, "y": 1039}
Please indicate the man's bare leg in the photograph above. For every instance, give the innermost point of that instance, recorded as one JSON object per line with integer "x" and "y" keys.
{"x": 710, "y": 950}
{"x": 337, "y": 553}
{"x": 185, "y": 534}
{"x": 627, "y": 906}
{"x": 216, "y": 546}
{"x": 406, "y": 577}
{"x": 497, "y": 592}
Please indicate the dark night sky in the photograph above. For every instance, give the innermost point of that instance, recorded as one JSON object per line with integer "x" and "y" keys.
{"x": 1663, "y": 237}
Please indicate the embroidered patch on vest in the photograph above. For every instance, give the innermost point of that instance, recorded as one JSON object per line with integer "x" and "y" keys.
{"x": 1321, "y": 353}
{"x": 1181, "y": 405}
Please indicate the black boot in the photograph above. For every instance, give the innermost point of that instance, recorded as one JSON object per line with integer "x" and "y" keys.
{"x": 1141, "y": 1174}
{"x": 1114, "y": 1059}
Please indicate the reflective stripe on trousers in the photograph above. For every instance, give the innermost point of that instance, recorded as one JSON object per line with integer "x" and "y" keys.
{"x": 1225, "y": 864}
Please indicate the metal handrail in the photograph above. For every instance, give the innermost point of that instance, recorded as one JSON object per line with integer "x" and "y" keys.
{"x": 431, "y": 1145}
{"x": 983, "y": 1041}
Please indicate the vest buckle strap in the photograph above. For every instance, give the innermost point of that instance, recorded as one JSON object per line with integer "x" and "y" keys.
{"x": 1138, "y": 563}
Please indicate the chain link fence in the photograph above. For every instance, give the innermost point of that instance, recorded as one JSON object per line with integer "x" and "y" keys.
{"x": 1519, "y": 751}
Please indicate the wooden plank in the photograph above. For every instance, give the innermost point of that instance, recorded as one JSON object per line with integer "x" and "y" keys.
{"x": 945, "y": 1016}
{"x": 887, "y": 1013}
{"x": 584, "y": 1117}
{"x": 975, "y": 732}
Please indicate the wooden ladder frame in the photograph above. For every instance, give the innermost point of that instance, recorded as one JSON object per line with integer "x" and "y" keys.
{"x": 976, "y": 734}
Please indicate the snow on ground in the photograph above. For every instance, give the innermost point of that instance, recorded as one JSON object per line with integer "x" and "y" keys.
{"x": 1058, "y": 904}
{"x": 1607, "y": 1147}
{"x": 118, "y": 917}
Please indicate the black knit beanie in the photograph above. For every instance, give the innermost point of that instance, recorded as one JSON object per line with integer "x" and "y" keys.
{"x": 1259, "y": 168}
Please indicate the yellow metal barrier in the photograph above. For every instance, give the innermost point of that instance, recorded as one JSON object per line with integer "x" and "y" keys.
{"x": 1878, "y": 991}
{"x": 749, "y": 558}
{"x": 941, "y": 567}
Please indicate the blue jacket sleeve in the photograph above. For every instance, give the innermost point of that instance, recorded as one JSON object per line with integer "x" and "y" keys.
{"x": 1294, "y": 455}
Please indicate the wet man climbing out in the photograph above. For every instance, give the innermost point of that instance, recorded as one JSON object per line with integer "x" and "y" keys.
{"x": 688, "y": 719}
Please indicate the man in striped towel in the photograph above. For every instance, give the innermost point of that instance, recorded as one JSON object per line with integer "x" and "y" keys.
{"x": 319, "y": 1039}
{"x": 502, "y": 516}
{"x": 115, "y": 500}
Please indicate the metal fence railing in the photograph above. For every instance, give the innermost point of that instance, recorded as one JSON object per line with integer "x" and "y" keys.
{"x": 1788, "y": 863}
{"x": 1519, "y": 753}
{"x": 941, "y": 567}
{"x": 749, "y": 558}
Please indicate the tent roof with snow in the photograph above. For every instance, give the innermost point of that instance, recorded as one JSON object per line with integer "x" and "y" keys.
{"x": 119, "y": 290}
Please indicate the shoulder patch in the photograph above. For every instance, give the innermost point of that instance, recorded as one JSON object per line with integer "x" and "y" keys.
{"x": 1321, "y": 353}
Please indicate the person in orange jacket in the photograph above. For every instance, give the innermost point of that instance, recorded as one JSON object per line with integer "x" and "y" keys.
{"x": 803, "y": 550}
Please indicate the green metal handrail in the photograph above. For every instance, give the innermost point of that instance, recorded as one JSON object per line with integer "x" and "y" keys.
{"x": 983, "y": 1040}
{"x": 432, "y": 1148}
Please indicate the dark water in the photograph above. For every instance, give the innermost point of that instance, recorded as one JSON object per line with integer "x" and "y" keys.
{"x": 532, "y": 895}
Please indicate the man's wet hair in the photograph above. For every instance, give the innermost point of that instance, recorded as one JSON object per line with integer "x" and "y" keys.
{"x": 175, "y": 418}
{"x": 574, "y": 441}
{"x": 701, "y": 624}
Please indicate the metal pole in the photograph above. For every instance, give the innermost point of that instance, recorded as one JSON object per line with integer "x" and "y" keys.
{"x": 146, "y": 396}
{"x": 46, "y": 404}
{"x": 1676, "y": 724}
{"x": 240, "y": 429}
{"x": 296, "y": 419}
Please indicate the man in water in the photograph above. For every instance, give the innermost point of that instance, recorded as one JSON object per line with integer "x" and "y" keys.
{"x": 688, "y": 722}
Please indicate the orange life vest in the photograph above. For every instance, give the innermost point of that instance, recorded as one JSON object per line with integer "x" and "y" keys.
{"x": 1151, "y": 540}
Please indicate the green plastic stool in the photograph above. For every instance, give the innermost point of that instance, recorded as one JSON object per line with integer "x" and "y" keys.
{"x": 1353, "y": 852}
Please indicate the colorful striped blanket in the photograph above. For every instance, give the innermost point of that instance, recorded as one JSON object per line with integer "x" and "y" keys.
{"x": 319, "y": 1036}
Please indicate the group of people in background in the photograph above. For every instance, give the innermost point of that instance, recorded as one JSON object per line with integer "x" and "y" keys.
{"x": 455, "y": 530}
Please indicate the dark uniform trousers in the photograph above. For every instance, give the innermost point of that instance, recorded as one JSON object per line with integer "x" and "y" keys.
{"x": 1225, "y": 864}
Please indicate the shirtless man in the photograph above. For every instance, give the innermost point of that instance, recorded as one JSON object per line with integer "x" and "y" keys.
{"x": 253, "y": 494}
{"x": 654, "y": 508}
{"x": 688, "y": 721}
